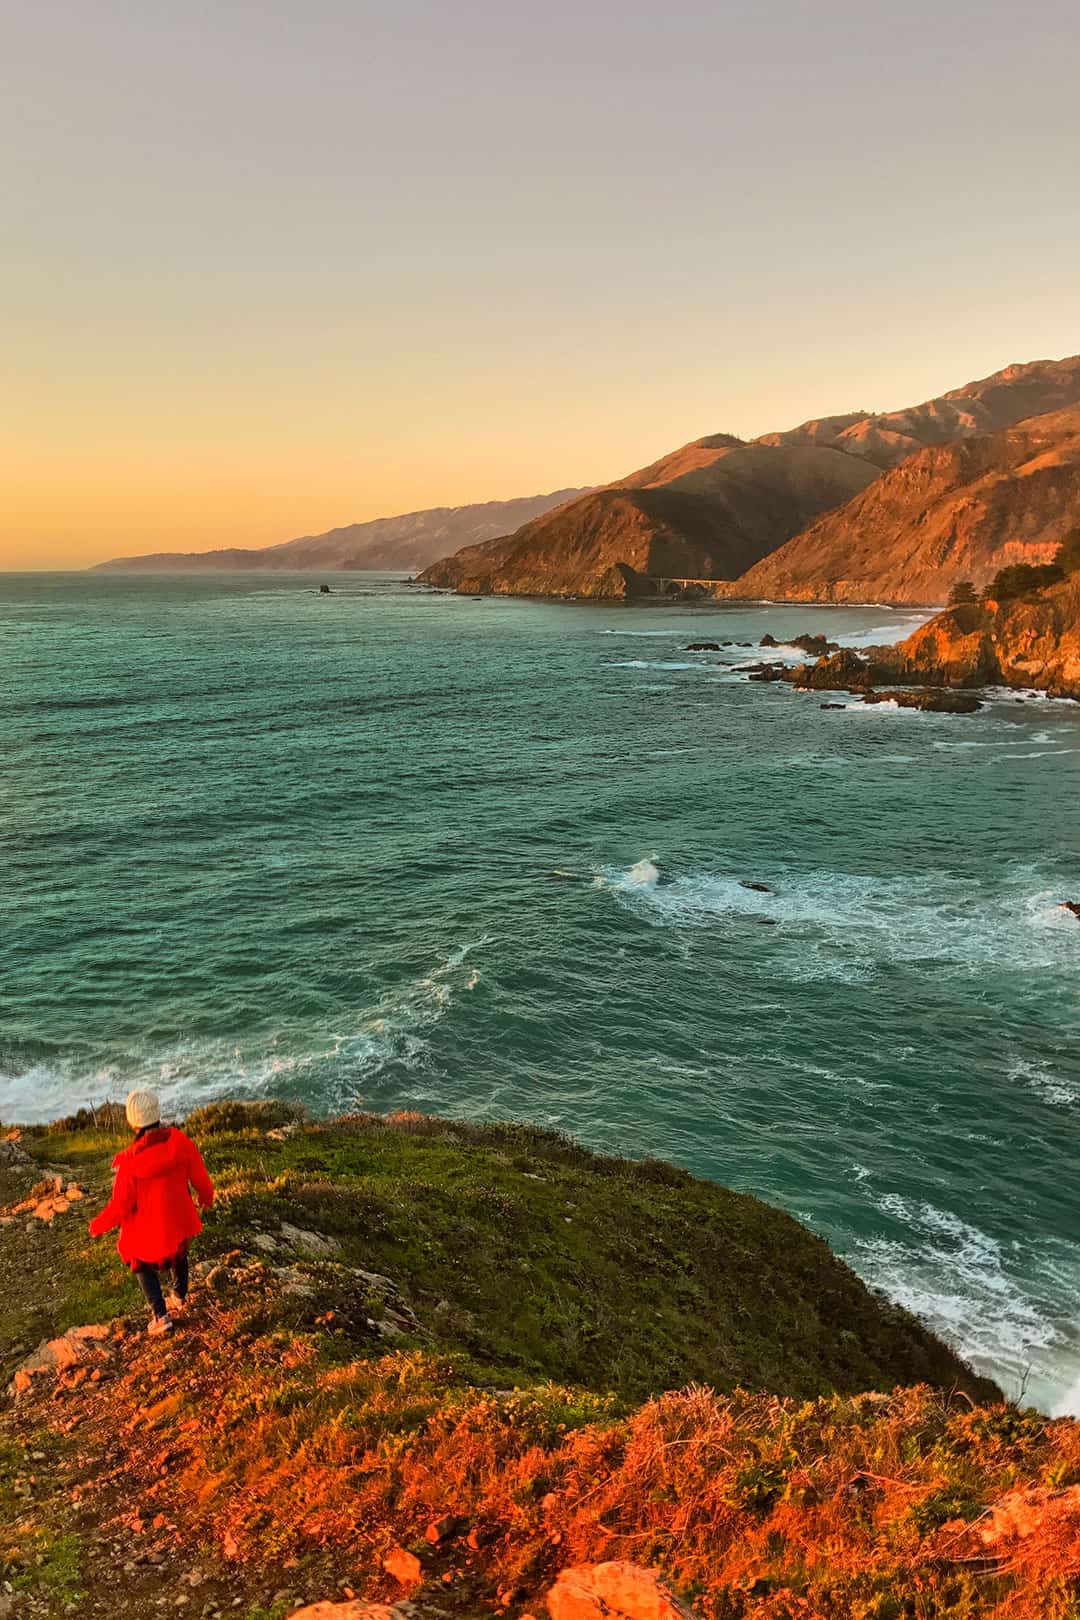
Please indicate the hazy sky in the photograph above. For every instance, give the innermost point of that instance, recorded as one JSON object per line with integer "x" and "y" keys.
{"x": 270, "y": 267}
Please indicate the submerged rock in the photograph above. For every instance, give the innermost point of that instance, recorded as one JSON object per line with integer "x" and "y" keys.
{"x": 758, "y": 888}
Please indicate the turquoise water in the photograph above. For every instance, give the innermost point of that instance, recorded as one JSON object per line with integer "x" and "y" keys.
{"x": 392, "y": 849}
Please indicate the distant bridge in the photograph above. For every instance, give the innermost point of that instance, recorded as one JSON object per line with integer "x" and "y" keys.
{"x": 664, "y": 585}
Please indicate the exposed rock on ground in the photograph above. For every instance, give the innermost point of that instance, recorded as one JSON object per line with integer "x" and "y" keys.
{"x": 620, "y": 1590}
{"x": 88, "y": 1349}
{"x": 47, "y": 1199}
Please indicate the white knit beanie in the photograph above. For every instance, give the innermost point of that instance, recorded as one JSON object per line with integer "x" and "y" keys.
{"x": 142, "y": 1109}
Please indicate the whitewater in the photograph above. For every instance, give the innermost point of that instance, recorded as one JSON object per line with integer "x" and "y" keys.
{"x": 390, "y": 849}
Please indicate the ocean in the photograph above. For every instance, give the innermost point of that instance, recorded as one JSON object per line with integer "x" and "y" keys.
{"x": 390, "y": 849}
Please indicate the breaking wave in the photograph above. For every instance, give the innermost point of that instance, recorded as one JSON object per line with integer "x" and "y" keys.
{"x": 965, "y": 1285}
{"x": 331, "y": 1065}
{"x": 856, "y": 922}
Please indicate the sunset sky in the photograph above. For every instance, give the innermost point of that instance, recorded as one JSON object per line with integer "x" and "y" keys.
{"x": 270, "y": 267}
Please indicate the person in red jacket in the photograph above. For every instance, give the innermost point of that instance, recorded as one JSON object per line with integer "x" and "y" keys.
{"x": 151, "y": 1203}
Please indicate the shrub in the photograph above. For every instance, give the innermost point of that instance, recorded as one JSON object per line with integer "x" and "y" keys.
{"x": 962, "y": 594}
{"x": 225, "y": 1118}
{"x": 1022, "y": 578}
{"x": 1067, "y": 557}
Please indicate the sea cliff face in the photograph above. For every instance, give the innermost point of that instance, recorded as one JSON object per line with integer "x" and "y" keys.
{"x": 944, "y": 515}
{"x": 721, "y": 512}
{"x": 1032, "y": 641}
{"x": 1028, "y": 641}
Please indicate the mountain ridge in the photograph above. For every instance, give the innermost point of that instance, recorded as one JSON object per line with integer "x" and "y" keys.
{"x": 638, "y": 543}
{"x": 409, "y": 540}
{"x": 961, "y": 511}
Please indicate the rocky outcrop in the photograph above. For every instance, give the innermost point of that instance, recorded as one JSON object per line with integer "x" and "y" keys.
{"x": 711, "y": 522}
{"x": 945, "y": 515}
{"x": 356, "y": 1609}
{"x": 411, "y": 541}
{"x": 1031, "y": 641}
{"x": 87, "y": 1350}
{"x": 931, "y": 699}
{"x": 619, "y": 1590}
{"x": 46, "y": 1199}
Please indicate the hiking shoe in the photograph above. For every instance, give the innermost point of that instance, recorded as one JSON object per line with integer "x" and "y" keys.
{"x": 159, "y": 1325}
{"x": 175, "y": 1305}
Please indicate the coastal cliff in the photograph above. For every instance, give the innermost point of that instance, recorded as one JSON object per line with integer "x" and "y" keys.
{"x": 944, "y": 515}
{"x": 807, "y": 514}
{"x": 1032, "y": 641}
{"x": 412, "y": 1371}
{"x": 1026, "y": 641}
{"x": 712, "y": 522}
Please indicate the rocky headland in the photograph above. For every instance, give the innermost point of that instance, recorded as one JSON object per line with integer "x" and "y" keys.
{"x": 708, "y": 512}
{"x": 435, "y": 1369}
{"x": 1029, "y": 642}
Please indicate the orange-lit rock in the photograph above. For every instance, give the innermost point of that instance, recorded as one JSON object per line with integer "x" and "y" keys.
{"x": 621, "y": 1591}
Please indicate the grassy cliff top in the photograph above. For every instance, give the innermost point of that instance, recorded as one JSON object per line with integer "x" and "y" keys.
{"x": 537, "y": 1258}
{"x": 411, "y": 1368}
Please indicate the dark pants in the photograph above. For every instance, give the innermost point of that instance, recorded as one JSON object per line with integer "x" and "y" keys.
{"x": 148, "y": 1278}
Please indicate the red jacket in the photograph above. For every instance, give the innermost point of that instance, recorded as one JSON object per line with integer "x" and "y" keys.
{"x": 150, "y": 1200}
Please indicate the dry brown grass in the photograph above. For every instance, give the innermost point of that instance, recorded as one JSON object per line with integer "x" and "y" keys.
{"x": 866, "y": 1508}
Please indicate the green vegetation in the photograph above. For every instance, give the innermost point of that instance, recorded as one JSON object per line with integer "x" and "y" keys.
{"x": 963, "y": 594}
{"x": 56, "y": 1568}
{"x": 532, "y": 1257}
{"x": 1021, "y": 579}
{"x": 1067, "y": 557}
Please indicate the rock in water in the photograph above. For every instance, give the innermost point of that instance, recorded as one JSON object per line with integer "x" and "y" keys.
{"x": 758, "y": 888}
{"x": 1073, "y": 906}
{"x": 933, "y": 699}
{"x": 617, "y": 1590}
